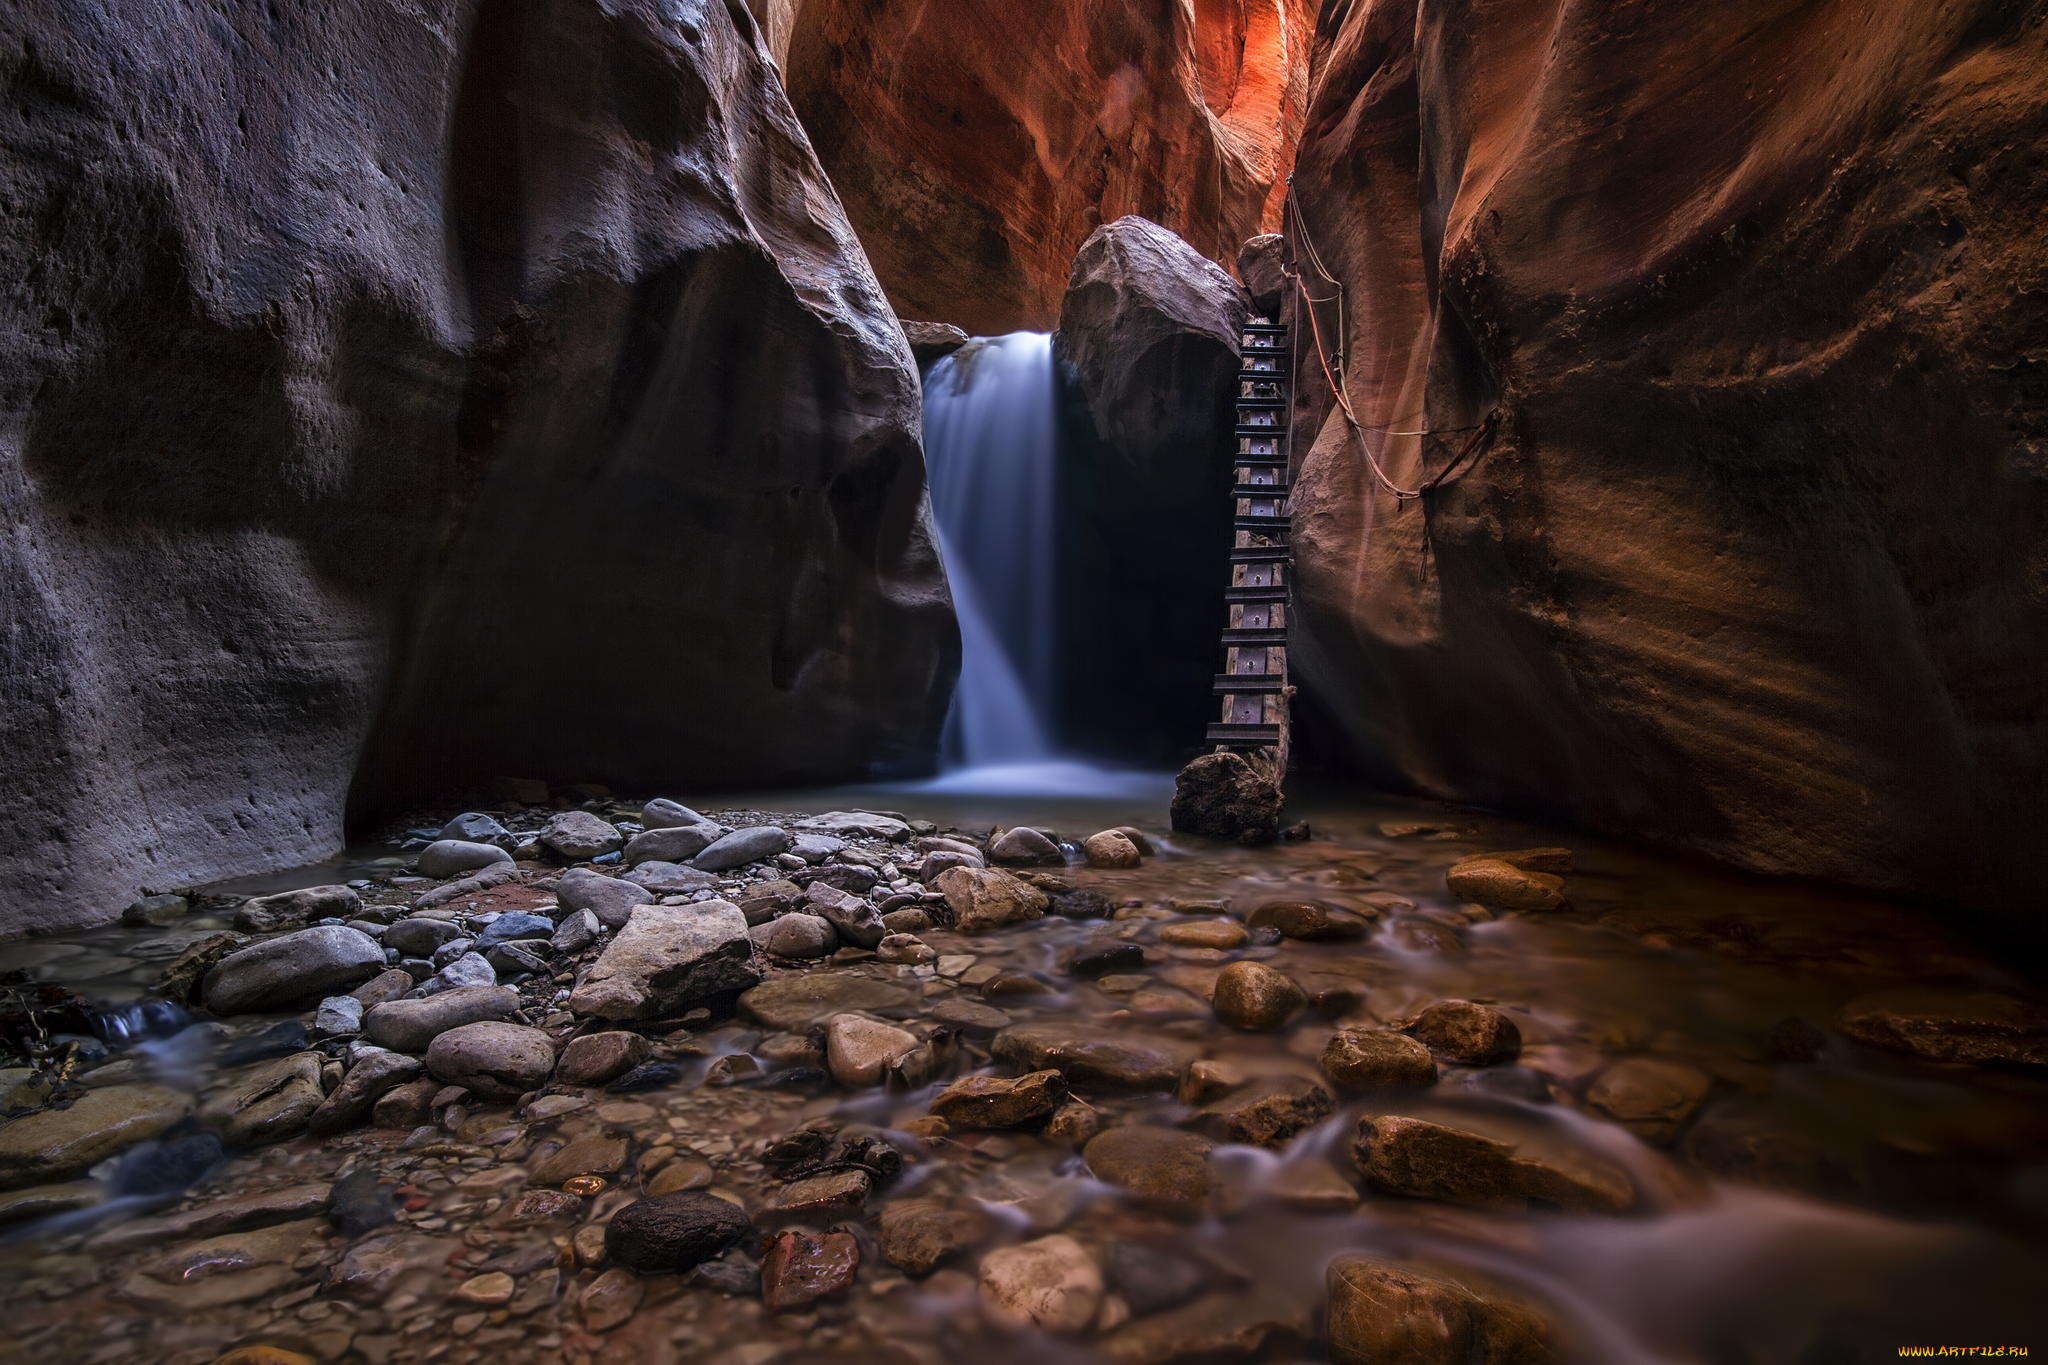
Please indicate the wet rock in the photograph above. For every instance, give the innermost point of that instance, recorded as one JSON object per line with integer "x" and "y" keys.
{"x": 741, "y": 847}
{"x": 662, "y": 813}
{"x": 1424, "y": 1160}
{"x": 275, "y": 1102}
{"x": 1076, "y": 902}
{"x": 297, "y": 909}
{"x": 1650, "y": 1096}
{"x": 797, "y": 936}
{"x": 280, "y": 972}
{"x": 1310, "y": 922}
{"x": 420, "y": 937}
{"x": 982, "y": 899}
{"x": 919, "y": 1235}
{"x": 577, "y": 931}
{"x": 1112, "y": 849}
{"x": 448, "y": 893}
{"x": 577, "y": 836}
{"x": 475, "y": 827}
{"x": 180, "y": 981}
{"x": 1224, "y": 796}
{"x": 515, "y": 926}
{"x": 1025, "y": 847}
{"x": 277, "y": 1040}
{"x": 855, "y": 920}
{"x": 969, "y": 1016}
{"x": 339, "y": 1016}
{"x": 1163, "y": 1167}
{"x": 671, "y": 844}
{"x": 1378, "y": 1059}
{"x": 611, "y": 899}
{"x": 1153, "y": 1278}
{"x": 797, "y": 1001}
{"x": 47, "y": 1201}
{"x": 410, "y": 1025}
{"x": 1468, "y": 1033}
{"x": 596, "y": 1058}
{"x": 818, "y": 1199}
{"x": 930, "y": 340}
{"x": 610, "y": 1300}
{"x": 647, "y": 1076}
{"x": 911, "y": 919}
{"x": 1093, "y": 1057}
{"x": 999, "y": 1101}
{"x": 1254, "y": 997}
{"x": 1946, "y": 1024}
{"x": 673, "y": 1232}
{"x": 800, "y": 1268}
{"x": 1267, "y": 1112}
{"x": 1499, "y": 885}
{"x": 1105, "y": 956}
{"x": 494, "y": 1060}
{"x": 667, "y": 958}
{"x": 1052, "y": 1285}
{"x": 405, "y": 1106}
{"x": 859, "y": 1050}
{"x": 1220, "y": 934}
{"x": 905, "y": 950}
{"x": 1379, "y": 1313}
{"x": 371, "y": 1270}
{"x": 734, "y": 1273}
{"x": 367, "y": 1081}
{"x": 56, "y": 1144}
{"x": 453, "y": 857}
{"x": 1234, "y": 1327}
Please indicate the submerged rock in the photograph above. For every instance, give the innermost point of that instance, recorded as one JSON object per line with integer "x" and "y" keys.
{"x": 797, "y": 1001}
{"x": 1380, "y": 1313}
{"x": 1164, "y": 1167}
{"x": 1254, "y": 997}
{"x": 799, "y": 1268}
{"x": 1945, "y": 1024}
{"x": 1427, "y": 1160}
{"x": 1052, "y": 1284}
{"x": 919, "y": 1235}
{"x": 1650, "y": 1096}
{"x": 1500, "y": 885}
{"x": 1000, "y": 1101}
{"x": 56, "y": 1144}
{"x": 673, "y": 1232}
{"x": 1097, "y": 1057}
{"x": 667, "y": 958}
{"x": 1472, "y": 1034}
{"x": 1377, "y": 1059}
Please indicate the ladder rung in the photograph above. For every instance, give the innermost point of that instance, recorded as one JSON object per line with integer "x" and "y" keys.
{"x": 1261, "y": 554}
{"x": 1275, "y": 593}
{"x": 1261, "y": 490}
{"x": 1246, "y": 401}
{"x": 1249, "y": 460}
{"x": 1265, "y": 526}
{"x": 1250, "y": 684}
{"x": 1256, "y": 429}
{"x": 1244, "y": 736}
{"x": 1241, "y": 636}
{"x": 1272, "y": 376}
{"x": 1264, "y": 329}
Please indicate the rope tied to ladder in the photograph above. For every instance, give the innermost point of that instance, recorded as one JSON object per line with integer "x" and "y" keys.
{"x": 1480, "y": 432}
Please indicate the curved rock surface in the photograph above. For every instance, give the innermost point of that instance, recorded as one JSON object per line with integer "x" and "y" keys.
{"x": 977, "y": 143}
{"x": 1750, "y": 565}
{"x": 1148, "y": 349}
{"x": 428, "y": 392}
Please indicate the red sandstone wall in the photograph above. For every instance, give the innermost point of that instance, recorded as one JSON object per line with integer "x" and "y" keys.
{"x": 1756, "y": 564}
{"x": 975, "y": 144}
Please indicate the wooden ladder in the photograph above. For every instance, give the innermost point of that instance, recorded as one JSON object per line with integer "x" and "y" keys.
{"x": 1253, "y": 684}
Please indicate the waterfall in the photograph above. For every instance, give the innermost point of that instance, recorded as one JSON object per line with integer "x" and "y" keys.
{"x": 989, "y": 433}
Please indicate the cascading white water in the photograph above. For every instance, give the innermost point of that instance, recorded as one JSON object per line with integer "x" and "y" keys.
{"x": 989, "y": 442}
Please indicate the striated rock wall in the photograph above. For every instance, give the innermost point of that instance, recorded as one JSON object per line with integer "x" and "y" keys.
{"x": 393, "y": 395}
{"x": 1755, "y": 565}
{"x": 977, "y": 143}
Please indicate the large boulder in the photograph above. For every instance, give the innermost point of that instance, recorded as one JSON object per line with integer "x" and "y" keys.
{"x": 410, "y": 1025}
{"x": 1745, "y": 562}
{"x": 320, "y": 496}
{"x": 283, "y": 971}
{"x": 1226, "y": 796}
{"x": 1380, "y": 1312}
{"x": 977, "y": 144}
{"x": 1262, "y": 269}
{"x": 1149, "y": 335}
{"x": 666, "y": 959}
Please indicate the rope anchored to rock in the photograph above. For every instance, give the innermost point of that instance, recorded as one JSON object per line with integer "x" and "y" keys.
{"x": 1480, "y": 432}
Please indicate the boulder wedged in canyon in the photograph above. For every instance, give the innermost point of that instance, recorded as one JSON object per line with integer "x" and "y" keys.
{"x": 1148, "y": 350}
{"x": 977, "y": 143}
{"x": 1751, "y": 564}
{"x": 500, "y": 378}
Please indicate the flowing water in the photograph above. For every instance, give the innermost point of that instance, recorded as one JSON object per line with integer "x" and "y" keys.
{"x": 1818, "y": 1200}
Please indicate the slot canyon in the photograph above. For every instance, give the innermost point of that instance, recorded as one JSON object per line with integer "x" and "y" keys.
{"x": 1149, "y": 681}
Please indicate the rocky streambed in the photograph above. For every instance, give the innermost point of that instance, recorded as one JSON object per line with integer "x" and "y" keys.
{"x": 586, "y": 1080}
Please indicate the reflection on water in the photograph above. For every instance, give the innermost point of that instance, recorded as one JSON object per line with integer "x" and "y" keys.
{"x": 1816, "y": 1201}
